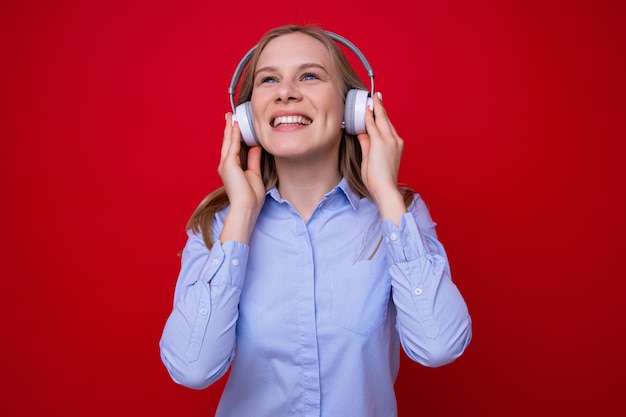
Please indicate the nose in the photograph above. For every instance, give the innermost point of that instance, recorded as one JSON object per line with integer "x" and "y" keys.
{"x": 288, "y": 91}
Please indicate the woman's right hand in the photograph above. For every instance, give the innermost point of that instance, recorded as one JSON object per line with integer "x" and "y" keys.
{"x": 245, "y": 189}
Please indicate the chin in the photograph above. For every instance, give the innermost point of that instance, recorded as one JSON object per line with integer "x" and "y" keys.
{"x": 287, "y": 150}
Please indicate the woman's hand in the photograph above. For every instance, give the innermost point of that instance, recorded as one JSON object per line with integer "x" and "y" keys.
{"x": 245, "y": 189}
{"x": 382, "y": 152}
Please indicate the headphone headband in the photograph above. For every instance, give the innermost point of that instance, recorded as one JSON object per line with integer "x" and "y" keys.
{"x": 338, "y": 38}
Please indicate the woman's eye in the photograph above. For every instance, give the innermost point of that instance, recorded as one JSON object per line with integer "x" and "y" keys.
{"x": 309, "y": 76}
{"x": 268, "y": 80}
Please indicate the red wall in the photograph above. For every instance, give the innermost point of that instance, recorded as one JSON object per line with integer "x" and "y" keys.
{"x": 513, "y": 116}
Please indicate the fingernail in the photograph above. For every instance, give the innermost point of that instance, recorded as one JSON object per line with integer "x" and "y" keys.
{"x": 380, "y": 96}
{"x": 371, "y": 104}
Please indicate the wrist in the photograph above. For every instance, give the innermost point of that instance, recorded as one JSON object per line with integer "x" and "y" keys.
{"x": 238, "y": 225}
{"x": 391, "y": 205}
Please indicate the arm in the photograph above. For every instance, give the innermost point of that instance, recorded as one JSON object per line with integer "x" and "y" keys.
{"x": 432, "y": 317}
{"x": 198, "y": 340}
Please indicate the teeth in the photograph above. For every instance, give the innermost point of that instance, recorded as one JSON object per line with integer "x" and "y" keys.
{"x": 291, "y": 120}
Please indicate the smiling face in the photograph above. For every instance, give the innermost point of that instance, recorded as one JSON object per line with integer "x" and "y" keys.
{"x": 296, "y": 101}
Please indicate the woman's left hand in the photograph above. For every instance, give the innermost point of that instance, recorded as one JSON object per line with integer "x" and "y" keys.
{"x": 382, "y": 152}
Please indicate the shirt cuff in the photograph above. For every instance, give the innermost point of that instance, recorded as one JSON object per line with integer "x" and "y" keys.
{"x": 227, "y": 263}
{"x": 406, "y": 242}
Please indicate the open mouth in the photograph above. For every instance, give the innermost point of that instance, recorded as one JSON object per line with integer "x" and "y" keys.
{"x": 291, "y": 121}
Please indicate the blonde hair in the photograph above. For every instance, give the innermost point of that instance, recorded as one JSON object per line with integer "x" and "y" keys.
{"x": 350, "y": 156}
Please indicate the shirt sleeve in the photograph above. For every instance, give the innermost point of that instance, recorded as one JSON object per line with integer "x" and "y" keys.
{"x": 432, "y": 318}
{"x": 197, "y": 343}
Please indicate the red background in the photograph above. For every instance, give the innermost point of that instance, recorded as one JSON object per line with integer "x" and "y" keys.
{"x": 513, "y": 116}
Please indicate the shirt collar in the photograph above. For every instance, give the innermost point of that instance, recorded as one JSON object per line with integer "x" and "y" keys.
{"x": 352, "y": 197}
{"x": 342, "y": 187}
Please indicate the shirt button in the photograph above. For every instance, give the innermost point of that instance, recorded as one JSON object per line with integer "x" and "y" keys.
{"x": 215, "y": 262}
{"x": 235, "y": 262}
{"x": 418, "y": 291}
{"x": 203, "y": 311}
{"x": 393, "y": 237}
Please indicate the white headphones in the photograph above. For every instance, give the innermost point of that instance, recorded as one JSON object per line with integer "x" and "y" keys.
{"x": 356, "y": 100}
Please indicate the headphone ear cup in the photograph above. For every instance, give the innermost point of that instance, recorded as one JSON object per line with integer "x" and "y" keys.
{"x": 354, "y": 113}
{"x": 243, "y": 115}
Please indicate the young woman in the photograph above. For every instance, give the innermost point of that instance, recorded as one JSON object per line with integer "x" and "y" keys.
{"x": 310, "y": 267}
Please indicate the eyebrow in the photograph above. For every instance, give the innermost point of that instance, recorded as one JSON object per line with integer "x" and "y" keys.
{"x": 271, "y": 68}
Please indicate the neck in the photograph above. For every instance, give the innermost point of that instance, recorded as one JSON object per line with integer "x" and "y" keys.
{"x": 304, "y": 185}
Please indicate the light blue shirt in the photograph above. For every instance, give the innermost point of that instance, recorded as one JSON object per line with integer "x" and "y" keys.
{"x": 310, "y": 316}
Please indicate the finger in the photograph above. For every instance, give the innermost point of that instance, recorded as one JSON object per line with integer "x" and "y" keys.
{"x": 383, "y": 123}
{"x": 235, "y": 136}
{"x": 254, "y": 160}
{"x": 227, "y": 136}
{"x": 370, "y": 123}
{"x": 231, "y": 145}
{"x": 234, "y": 139}
{"x": 364, "y": 141}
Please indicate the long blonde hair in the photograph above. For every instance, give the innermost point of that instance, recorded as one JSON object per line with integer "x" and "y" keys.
{"x": 349, "y": 151}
